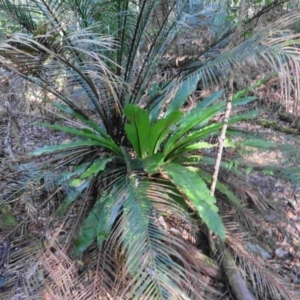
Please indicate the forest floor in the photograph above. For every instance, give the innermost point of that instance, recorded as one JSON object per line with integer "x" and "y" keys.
{"x": 20, "y": 135}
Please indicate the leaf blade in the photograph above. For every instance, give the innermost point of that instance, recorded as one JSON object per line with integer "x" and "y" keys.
{"x": 85, "y": 134}
{"x": 195, "y": 189}
{"x": 97, "y": 166}
{"x": 139, "y": 129}
{"x": 160, "y": 129}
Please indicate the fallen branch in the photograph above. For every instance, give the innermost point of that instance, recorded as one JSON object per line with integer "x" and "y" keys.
{"x": 206, "y": 265}
{"x": 274, "y": 125}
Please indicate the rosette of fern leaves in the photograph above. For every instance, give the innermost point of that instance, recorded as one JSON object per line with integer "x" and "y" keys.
{"x": 152, "y": 176}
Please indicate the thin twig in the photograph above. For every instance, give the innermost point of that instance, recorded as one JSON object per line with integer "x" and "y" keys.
{"x": 222, "y": 136}
{"x": 235, "y": 280}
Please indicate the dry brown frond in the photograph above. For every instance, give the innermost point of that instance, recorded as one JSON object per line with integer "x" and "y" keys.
{"x": 265, "y": 280}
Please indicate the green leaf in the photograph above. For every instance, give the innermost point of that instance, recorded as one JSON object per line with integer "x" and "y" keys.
{"x": 70, "y": 146}
{"x": 257, "y": 143}
{"x": 194, "y": 147}
{"x": 185, "y": 88}
{"x": 114, "y": 202}
{"x": 109, "y": 214}
{"x": 220, "y": 186}
{"x": 206, "y": 102}
{"x": 153, "y": 90}
{"x": 191, "y": 159}
{"x": 160, "y": 130}
{"x": 243, "y": 101}
{"x": 228, "y": 193}
{"x": 244, "y": 92}
{"x": 97, "y": 166}
{"x": 204, "y": 132}
{"x": 70, "y": 198}
{"x": 101, "y": 218}
{"x": 172, "y": 192}
{"x": 195, "y": 189}
{"x": 7, "y": 219}
{"x": 156, "y": 105}
{"x": 76, "y": 183}
{"x": 86, "y": 133}
{"x": 88, "y": 230}
{"x": 236, "y": 102}
{"x": 76, "y": 171}
{"x": 171, "y": 154}
{"x": 79, "y": 116}
{"x": 196, "y": 117}
{"x": 249, "y": 170}
{"x": 151, "y": 164}
{"x": 139, "y": 130}
{"x": 229, "y": 143}
{"x": 135, "y": 206}
{"x": 132, "y": 164}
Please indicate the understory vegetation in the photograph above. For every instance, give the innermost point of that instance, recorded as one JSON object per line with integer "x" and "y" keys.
{"x": 128, "y": 137}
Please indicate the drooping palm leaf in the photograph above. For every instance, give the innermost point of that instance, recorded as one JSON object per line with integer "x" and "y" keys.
{"x": 194, "y": 188}
{"x": 150, "y": 251}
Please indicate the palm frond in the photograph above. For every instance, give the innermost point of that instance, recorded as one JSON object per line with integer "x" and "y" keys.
{"x": 253, "y": 221}
{"x": 154, "y": 267}
{"x": 82, "y": 76}
{"x": 20, "y": 13}
{"x": 51, "y": 38}
{"x": 277, "y": 53}
{"x": 266, "y": 284}
{"x": 21, "y": 273}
